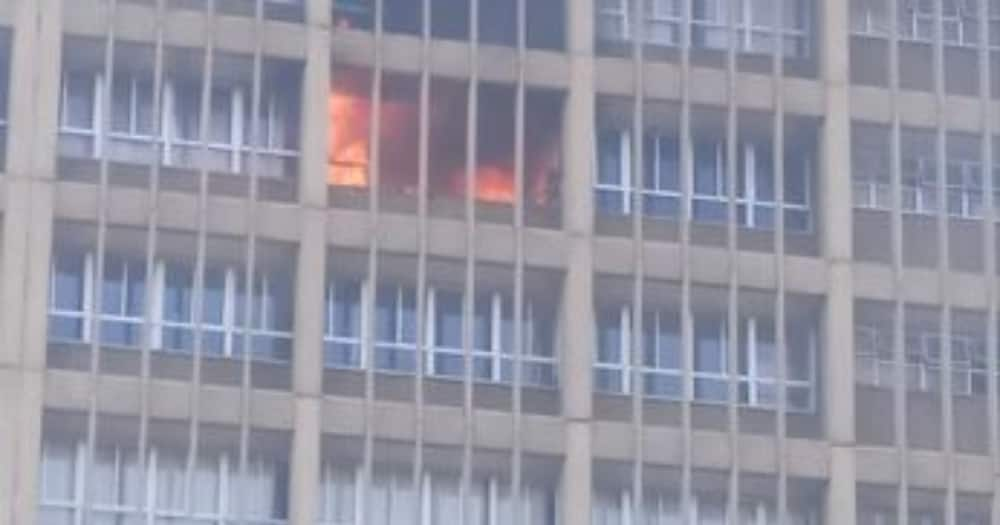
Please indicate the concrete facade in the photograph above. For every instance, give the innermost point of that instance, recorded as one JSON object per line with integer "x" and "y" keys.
{"x": 859, "y": 447}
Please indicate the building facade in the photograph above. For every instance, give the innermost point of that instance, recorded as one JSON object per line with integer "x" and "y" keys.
{"x": 352, "y": 262}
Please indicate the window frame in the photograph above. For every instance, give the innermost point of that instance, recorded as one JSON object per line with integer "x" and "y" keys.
{"x": 229, "y": 157}
{"x": 231, "y": 328}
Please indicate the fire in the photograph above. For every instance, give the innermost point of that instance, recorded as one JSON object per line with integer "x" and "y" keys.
{"x": 494, "y": 184}
{"x": 349, "y": 133}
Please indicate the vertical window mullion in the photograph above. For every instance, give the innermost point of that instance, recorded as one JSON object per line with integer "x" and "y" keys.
{"x": 236, "y": 120}
{"x": 230, "y": 298}
{"x": 431, "y": 334}
{"x": 89, "y": 287}
{"x": 496, "y": 340}
{"x": 625, "y": 349}
{"x": 97, "y": 116}
{"x": 626, "y": 171}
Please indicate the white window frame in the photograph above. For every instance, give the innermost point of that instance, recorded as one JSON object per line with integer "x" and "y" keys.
{"x": 357, "y": 340}
{"x": 660, "y": 370}
{"x": 231, "y": 327}
{"x": 622, "y": 367}
{"x": 967, "y": 350}
{"x": 499, "y": 357}
{"x": 150, "y": 511}
{"x": 237, "y": 150}
{"x": 87, "y": 314}
{"x": 397, "y": 343}
{"x": 397, "y": 482}
{"x": 624, "y": 185}
{"x": 669, "y": 511}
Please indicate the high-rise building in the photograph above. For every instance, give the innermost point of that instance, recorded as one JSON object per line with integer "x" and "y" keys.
{"x": 497, "y": 262}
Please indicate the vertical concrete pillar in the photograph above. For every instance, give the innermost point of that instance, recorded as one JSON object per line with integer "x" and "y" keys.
{"x": 27, "y": 232}
{"x": 578, "y": 216}
{"x": 836, "y": 220}
{"x": 311, "y": 270}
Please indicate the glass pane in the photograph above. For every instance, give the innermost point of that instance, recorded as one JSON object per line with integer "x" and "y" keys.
{"x": 58, "y": 473}
{"x": 610, "y": 154}
{"x": 448, "y": 320}
{"x": 79, "y": 110}
{"x": 69, "y": 278}
{"x": 177, "y": 294}
{"x": 214, "y": 296}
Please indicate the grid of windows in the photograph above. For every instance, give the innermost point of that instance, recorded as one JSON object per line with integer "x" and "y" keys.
{"x": 615, "y": 508}
{"x": 131, "y": 137}
{"x": 756, "y": 199}
{"x": 662, "y": 374}
{"x": 757, "y": 24}
{"x": 123, "y": 289}
{"x": 492, "y": 351}
{"x": 924, "y": 360}
{"x": 119, "y": 491}
{"x": 960, "y": 20}
{"x": 392, "y": 500}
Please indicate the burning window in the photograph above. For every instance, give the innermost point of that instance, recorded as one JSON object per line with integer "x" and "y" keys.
{"x": 351, "y": 116}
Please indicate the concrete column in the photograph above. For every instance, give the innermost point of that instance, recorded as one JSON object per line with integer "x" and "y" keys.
{"x": 578, "y": 217}
{"x": 306, "y": 454}
{"x": 27, "y": 234}
{"x": 836, "y": 220}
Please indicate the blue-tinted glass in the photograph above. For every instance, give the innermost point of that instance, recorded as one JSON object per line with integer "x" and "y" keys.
{"x": 65, "y": 328}
{"x": 117, "y": 333}
{"x": 281, "y": 310}
{"x": 609, "y": 338}
{"x": 177, "y": 293}
{"x": 764, "y": 173}
{"x": 179, "y": 339}
{"x": 448, "y": 320}
{"x": 386, "y": 321}
{"x": 706, "y": 169}
{"x": 113, "y": 286}
{"x": 346, "y": 309}
{"x": 214, "y": 296}
{"x": 610, "y": 151}
{"x": 611, "y": 202}
{"x": 482, "y": 333}
{"x": 69, "y": 282}
{"x": 409, "y": 319}
{"x": 709, "y": 355}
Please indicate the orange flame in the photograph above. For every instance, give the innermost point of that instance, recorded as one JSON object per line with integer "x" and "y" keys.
{"x": 495, "y": 184}
{"x": 349, "y": 134}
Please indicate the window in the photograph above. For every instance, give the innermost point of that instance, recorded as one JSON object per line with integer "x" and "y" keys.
{"x": 710, "y": 359}
{"x": 662, "y": 353}
{"x": 353, "y": 14}
{"x": 959, "y": 21}
{"x": 493, "y": 352}
{"x": 492, "y": 345}
{"x": 392, "y": 500}
{"x": 614, "y": 184}
{"x": 661, "y": 19}
{"x": 756, "y": 26}
{"x": 342, "y": 338}
{"x": 870, "y": 17}
{"x": 661, "y": 189}
{"x": 131, "y": 136}
{"x": 123, "y": 300}
{"x": 709, "y": 188}
{"x": 662, "y": 371}
{"x": 924, "y": 364}
{"x": 119, "y": 488}
{"x": 615, "y": 508}
{"x": 395, "y": 329}
{"x": 72, "y": 302}
{"x": 611, "y": 368}
{"x": 661, "y": 365}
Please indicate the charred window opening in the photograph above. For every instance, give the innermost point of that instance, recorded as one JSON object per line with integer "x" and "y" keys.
{"x": 351, "y": 114}
{"x": 450, "y": 19}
